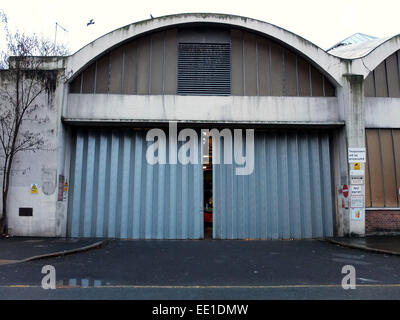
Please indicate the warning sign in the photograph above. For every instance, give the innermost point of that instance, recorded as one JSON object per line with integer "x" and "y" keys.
{"x": 357, "y": 213}
{"x": 34, "y": 188}
{"x": 357, "y": 202}
{"x": 356, "y": 155}
{"x": 356, "y": 166}
{"x": 357, "y": 190}
{"x": 357, "y": 180}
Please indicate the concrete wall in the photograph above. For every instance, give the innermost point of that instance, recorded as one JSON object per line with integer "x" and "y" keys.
{"x": 39, "y": 167}
{"x": 138, "y": 108}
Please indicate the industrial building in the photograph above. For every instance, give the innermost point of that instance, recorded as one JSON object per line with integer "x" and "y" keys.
{"x": 326, "y": 135}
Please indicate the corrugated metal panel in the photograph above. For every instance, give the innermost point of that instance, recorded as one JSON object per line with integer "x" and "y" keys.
{"x": 204, "y": 68}
{"x": 115, "y": 193}
{"x": 288, "y": 195}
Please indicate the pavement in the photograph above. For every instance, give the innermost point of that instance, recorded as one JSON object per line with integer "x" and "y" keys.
{"x": 379, "y": 244}
{"x": 22, "y": 249}
{"x": 207, "y": 269}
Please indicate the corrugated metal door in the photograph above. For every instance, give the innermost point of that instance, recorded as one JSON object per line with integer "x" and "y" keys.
{"x": 115, "y": 193}
{"x": 288, "y": 195}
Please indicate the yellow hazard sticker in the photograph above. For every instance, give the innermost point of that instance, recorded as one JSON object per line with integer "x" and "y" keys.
{"x": 357, "y": 166}
{"x": 34, "y": 189}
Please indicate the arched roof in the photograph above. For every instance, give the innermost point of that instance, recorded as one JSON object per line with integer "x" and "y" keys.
{"x": 325, "y": 62}
{"x": 366, "y": 56}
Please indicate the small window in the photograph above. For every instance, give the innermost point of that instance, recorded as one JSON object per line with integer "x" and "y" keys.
{"x": 204, "y": 69}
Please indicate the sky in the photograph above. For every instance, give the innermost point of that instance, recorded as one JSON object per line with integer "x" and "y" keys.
{"x": 324, "y": 23}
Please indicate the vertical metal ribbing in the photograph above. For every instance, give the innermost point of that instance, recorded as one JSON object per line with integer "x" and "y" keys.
{"x": 116, "y": 193}
{"x": 288, "y": 195}
{"x": 244, "y": 66}
{"x": 252, "y": 225}
{"x": 126, "y": 194}
{"x": 310, "y": 77}
{"x": 316, "y": 183}
{"x": 283, "y": 194}
{"x": 295, "y": 187}
{"x": 369, "y": 167}
{"x": 89, "y": 185}
{"x": 95, "y": 78}
{"x": 395, "y": 167}
{"x": 100, "y": 212}
{"x": 386, "y": 78}
{"x": 305, "y": 179}
{"x": 163, "y": 66}
{"x": 137, "y": 185}
{"x": 150, "y": 66}
{"x": 382, "y": 170}
{"x": 196, "y": 191}
{"x": 77, "y": 195}
{"x": 273, "y": 186}
{"x": 160, "y": 216}
{"x": 173, "y": 201}
{"x": 184, "y": 211}
{"x": 297, "y": 77}
{"x": 257, "y": 70}
{"x": 148, "y": 209}
{"x": 122, "y": 88}
{"x": 262, "y": 189}
{"x": 113, "y": 182}
{"x": 326, "y": 186}
{"x": 398, "y": 73}
{"x": 269, "y": 70}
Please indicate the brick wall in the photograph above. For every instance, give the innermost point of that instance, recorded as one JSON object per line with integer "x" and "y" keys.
{"x": 382, "y": 221}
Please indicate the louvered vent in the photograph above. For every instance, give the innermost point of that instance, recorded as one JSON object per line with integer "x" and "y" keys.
{"x": 204, "y": 69}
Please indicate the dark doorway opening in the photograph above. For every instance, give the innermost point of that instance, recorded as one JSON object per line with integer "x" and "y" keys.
{"x": 207, "y": 187}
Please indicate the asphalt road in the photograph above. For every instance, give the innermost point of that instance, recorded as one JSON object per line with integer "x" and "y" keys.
{"x": 182, "y": 270}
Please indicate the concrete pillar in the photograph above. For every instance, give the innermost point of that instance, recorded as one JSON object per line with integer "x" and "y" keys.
{"x": 352, "y": 99}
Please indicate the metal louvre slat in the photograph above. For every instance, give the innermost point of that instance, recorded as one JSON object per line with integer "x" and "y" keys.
{"x": 287, "y": 196}
{"x": 116, "y": 193}
{"x": 204, "y": 69}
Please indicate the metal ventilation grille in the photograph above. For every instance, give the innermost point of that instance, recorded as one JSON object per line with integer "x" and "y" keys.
{"x": 204, "y": 69}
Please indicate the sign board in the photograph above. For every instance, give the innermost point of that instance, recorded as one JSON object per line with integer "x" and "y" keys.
{"x": 34, "y": 188}
{"x": 356, "y": 172}
{"x": 357, "y": 202}
{"x": 356, "y": 155}
{"x": 357, "y": 190}
{"x": 357, "y": 180}
{"x": 357, "y": 213}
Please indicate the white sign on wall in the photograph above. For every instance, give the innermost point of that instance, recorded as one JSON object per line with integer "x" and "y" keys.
{"x": 357, "y": 180}
{"x": 357, "y": 202}
{"x": 356, "y": 172}
{"x": 357, "y": 190}
{"x": 357, "y": 213}
{"x": 356, "y": 155}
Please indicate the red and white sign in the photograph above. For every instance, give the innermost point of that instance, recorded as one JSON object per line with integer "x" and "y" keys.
{"x": 345, "y": 190}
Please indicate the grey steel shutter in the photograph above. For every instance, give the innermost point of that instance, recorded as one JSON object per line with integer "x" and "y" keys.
{"x": 288, "y": 195}
{"x": 116, "y": 193}
{"x": 204, "y": 69}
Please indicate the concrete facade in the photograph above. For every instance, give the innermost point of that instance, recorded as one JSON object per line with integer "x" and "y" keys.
{"x": 348, "y": 113}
